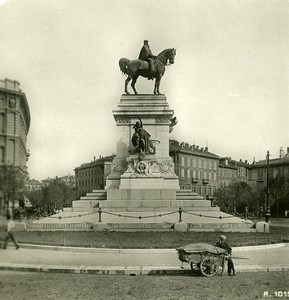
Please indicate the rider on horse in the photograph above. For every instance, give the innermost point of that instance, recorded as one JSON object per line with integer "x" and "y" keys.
{"x": 146, "y": 54}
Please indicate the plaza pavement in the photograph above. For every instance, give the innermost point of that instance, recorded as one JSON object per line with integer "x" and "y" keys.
{"x": 36, "y": 258}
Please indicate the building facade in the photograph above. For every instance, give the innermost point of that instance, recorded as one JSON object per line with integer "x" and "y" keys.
{"x": 33, "y": 185}
{"x": 276, "y": 167}
{"x": 14, "y": 125}
{"x": 232, "y": 171}
{"x": 197, "y": 168}
{"x": 92, "y": 176}
{"x": 14, "y": 128}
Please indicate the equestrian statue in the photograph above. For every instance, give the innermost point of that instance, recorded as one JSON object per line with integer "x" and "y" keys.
{"x": 147, "y": 65}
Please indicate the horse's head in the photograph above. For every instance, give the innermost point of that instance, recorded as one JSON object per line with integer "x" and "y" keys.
{"x": 171, "y": 55}
{"x": 167, "y": 55}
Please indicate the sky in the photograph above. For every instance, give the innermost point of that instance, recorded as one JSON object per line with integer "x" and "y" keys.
{"x": 228, "y": 87}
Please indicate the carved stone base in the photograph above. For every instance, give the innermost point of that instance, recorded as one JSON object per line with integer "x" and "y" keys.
{"x": 143, "y": 173}
{"x": 149, "y": 167}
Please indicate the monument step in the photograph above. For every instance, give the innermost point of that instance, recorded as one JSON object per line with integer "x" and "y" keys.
{"x": 67, "y": 209}
{"x": 100, "y": 191}
{"x": 110, "y": 222}
{"x": 154, "y": 203}
{"x": 85, "y": 203}
{"x": 95, "y": 195}
{"x": 140, "y": 209}
{"x": 92, "y": 197}
{"x": 190, "y": 197}
{"x": 182, "y": 191}
{"x": 160, "y": 209}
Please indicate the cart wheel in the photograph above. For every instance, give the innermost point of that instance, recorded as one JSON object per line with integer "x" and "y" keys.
{"x": 209, "y": 266}
{"x": 195, "y": 266}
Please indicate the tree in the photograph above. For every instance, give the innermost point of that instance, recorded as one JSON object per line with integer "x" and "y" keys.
{"x": 12, "y": 184}
{"x": 236, "y": 196}
{"x": 278, "y": 196}
{"x": 55, "y": 195}
{"x": 35, "y": 197}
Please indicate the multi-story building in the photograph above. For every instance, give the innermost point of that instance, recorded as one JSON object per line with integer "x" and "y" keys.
{"x": 92, "y": 176}
{"x": 33, "y": 185}
{"x": 14, "y": 127}
{"x": 231, "y": 171}
{"x": 276, "y": 167}
{"x": 197, "y": 168}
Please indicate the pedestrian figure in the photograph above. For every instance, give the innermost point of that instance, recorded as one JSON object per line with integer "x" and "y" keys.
{"x": 10, "y": 232}
{"x": 246, "y": 214}
{"x": 223, "y": 244}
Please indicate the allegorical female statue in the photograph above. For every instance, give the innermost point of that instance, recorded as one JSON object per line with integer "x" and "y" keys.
{"x": 141, "y": 140}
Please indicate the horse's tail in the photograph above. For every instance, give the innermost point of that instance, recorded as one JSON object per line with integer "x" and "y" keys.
{"x": 123, "y": 65}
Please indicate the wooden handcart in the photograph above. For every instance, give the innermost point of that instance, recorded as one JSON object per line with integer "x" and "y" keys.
{"x": 204, "y": 258}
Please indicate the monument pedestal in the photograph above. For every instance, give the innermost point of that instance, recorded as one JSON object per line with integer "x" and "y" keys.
{"x": 151, "y": 170}
{"x": 141, "y": 179}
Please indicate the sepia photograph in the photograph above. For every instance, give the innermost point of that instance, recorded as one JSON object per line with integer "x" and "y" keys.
{"x": 144, "y": 151}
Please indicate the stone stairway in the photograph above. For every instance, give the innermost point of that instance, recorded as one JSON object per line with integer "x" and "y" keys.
{"x": 185, "y": 199}
{"x": 89, "y": 202}
{"x": 142, "y": 214}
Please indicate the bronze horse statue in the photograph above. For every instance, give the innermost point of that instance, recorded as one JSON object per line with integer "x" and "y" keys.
{"x": 135, "y": 68}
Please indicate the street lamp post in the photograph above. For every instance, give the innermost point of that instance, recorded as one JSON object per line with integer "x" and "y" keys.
{"x": 267, "y": 215}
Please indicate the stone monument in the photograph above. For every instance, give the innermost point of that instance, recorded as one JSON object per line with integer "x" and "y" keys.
{"x": 142, "y": 172}
{"x": 142, "y": 183}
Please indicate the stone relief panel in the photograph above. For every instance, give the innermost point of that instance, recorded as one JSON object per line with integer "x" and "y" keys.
{"x": 151, "y": 168}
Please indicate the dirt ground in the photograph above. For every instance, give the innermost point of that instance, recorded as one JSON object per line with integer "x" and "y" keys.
{"x": 42, "y": 286}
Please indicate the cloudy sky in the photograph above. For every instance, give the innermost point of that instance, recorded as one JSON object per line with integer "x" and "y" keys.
{"x": 228, "y": 86}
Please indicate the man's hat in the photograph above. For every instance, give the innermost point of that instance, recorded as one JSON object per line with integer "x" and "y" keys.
{"x": 145, "y": 41}
{"x": 222, "y": 237}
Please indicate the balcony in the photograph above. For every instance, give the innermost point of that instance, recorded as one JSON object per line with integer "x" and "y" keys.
{"x": 205, "y": 181}
{"x": 194, "y": 180}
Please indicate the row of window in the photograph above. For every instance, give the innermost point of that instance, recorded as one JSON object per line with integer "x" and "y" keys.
{"x": 200, "y": 189}
{"x": 90, "y": 182}
{"x": 225, "y": 173}
{"x": 89, "y": 172}
{"x": 198, "y": 162}
{"x": 198, "y": 174}
{"x": 210, "y": 175}
{"x": 261, "y": 174}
